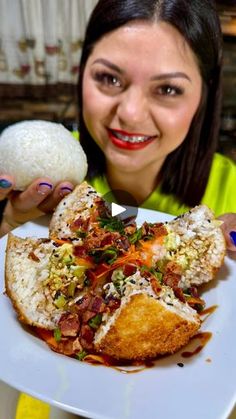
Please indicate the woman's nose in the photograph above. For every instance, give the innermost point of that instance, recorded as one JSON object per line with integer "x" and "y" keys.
{"x": 132, "y": 108}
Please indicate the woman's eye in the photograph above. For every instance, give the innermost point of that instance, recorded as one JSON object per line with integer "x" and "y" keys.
{"x": 107, "y": 79}
{"x": 168, "y": 90}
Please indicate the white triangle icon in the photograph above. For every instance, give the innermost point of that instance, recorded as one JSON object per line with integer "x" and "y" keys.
{"x": 116, "y": 209}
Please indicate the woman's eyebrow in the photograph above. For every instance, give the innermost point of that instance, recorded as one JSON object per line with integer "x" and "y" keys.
{"x": 177, "y": 74}
{"x": 108, "y": 64}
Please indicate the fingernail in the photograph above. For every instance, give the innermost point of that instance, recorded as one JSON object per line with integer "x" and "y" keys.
{"x": 4, "y": 183}
{"x": 43, "y": 188}
{"x": 65, "y": 190}
{"x": 233, "y": 237}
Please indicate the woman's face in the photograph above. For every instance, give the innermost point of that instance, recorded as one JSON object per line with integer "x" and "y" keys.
{"x": 141, "y": 89}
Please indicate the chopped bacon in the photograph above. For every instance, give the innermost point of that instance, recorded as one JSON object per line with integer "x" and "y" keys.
{"x": 33, "y": 256}
{"x": 179, "y": 294}
{"x": 123, "y": 244}
{"x": 86, "y": 336}
{"x": 194, "y": 292}
{"x": 80, "y": 251}
{"x": 108, "y": 238}
{"x": 155, "y": 286}
{"x": 113, "y": 303}
{"x": 173, "y": 267}
{"x": 69, "y": 324}
{"x": 80, "y": 224}
{"x": 76, "y": 346}
{"x": 87, "y": 315}
{"x": 196, "y": 303}
{"x": 97, "y": 305}
{"x": 145, "y": 228}
{"x": 83, "y": 303}
{"x": 99, "y": 239}
{"x": 67, "y": 346}
{"x": 158, "y": 230}
{"x": 130, "y": 229}
{"x": 171, "y": 279}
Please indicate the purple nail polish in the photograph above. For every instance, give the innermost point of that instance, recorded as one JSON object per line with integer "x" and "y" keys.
{"x": 44, "y": 187}
{"x": 233, "y": 237}
{"x": 66, "y": 190}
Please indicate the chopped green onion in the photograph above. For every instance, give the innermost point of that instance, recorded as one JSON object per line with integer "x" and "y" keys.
{"x": 71, "y": 289}
{"x": 157, "y": 274}
{"x": 57, "y": 334}
{"x": 81, "y": 234}
{"x": 60, "y": 302}
{"x": 81, "y": 355}
{"x": 110, "y": 255}
{"x": 136, "y": 236}
{"x": 112, "y": 224}
{"x": 95, "y": 321}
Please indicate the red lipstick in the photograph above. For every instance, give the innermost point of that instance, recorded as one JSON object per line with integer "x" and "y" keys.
{"x": 128, "y": 145}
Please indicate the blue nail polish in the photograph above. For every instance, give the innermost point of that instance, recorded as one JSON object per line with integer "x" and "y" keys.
{"x": 233, "y": 237}
{"x": 4, "y": 183}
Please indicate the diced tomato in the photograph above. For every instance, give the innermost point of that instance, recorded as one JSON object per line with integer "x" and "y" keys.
{"x": 129, "y": 269}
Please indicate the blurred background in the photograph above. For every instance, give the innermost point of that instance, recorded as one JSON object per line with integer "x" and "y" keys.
{"x": 40, "y": 46}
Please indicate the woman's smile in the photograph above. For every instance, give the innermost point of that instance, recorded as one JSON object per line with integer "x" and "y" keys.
{"x": 129, "y": 141}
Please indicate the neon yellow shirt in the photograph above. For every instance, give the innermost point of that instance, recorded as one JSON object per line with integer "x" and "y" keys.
{"x": 220, "y": 196}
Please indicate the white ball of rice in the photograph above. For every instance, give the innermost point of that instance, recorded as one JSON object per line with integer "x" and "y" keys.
{"x": 32, "y": 149}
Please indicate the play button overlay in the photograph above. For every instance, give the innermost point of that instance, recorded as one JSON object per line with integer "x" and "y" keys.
{"x": 122, "y": 205}
{"x": 116, "y": 209}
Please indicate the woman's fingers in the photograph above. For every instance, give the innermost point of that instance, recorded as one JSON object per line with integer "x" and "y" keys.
{"x": 40, "y": 197}
{"x": 52, "y": 200}
{"x": 33, "y": 196}
{"x": 229, "y": 230}
{"x": 6, "y": 185}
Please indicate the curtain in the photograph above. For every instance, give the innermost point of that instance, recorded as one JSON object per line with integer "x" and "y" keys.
{"x": 40, "y": 40}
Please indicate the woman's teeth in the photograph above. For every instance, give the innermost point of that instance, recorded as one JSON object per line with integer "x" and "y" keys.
{"x": 131, "y": 139}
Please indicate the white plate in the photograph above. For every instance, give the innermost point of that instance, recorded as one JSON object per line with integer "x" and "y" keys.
{"x": 204, "y": 388}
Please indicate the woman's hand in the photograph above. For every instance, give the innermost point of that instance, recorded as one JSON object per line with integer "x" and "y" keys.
{"x": 229, "y": 230}
{"x": 40, "y": 197}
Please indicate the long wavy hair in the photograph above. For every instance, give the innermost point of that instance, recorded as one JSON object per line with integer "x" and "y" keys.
{"x": 186, "y": 170}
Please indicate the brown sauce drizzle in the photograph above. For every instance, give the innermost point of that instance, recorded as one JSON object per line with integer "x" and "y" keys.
{"x": 207, "y": 312}
{"x": 132, "y": 367}
{"x": 124, "y": 366}
{"x": 203, "y": 337}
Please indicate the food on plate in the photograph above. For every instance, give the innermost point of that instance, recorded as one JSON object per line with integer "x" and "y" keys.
{"x": 191, "y": 245}
{"x": 130, "y": 315}
{"x": 33, "y": 149}
{"x": 101, "y": 285}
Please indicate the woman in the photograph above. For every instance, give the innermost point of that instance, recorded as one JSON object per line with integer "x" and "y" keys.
{"x": 150, "y": 96}
{"x": 150, "y": 99}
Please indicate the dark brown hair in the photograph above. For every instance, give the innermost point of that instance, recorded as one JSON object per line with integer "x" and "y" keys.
{"x": 186, "y": 170}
